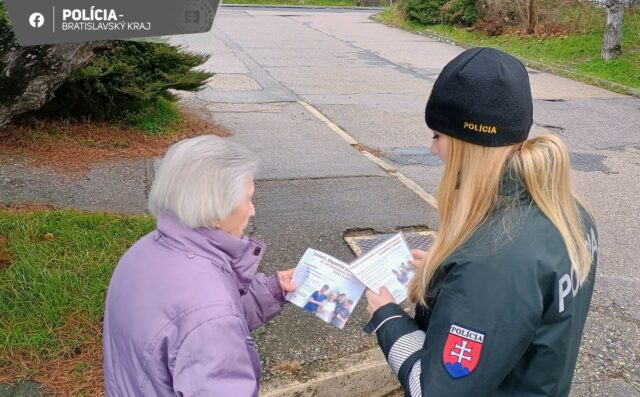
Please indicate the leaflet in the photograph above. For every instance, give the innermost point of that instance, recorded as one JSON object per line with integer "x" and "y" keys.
{"x": 326, "y": 288}
{"x": 329, "y": 288}
{"x": 386, "y": 265}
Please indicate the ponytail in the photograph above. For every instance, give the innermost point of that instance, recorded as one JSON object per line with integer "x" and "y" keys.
{"x": 468, "y": 192}
{"x": 544, "y": 166}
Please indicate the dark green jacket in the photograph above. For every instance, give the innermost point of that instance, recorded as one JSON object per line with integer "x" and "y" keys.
{"x": 505, "y": 312}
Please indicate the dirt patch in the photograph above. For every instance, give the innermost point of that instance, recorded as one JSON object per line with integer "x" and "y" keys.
{"x": 72, "y": 147}
{"x": 287, "y": 368}
{"x": 542, "y": 32}
{"x": 5, "y": 256}
{"x": 26, "y": 207}
{"x": 62, "y": 376}
{"x": 362, "y": 148}
{"x": 5, "y": 259}
{"x": 74, "y": 371}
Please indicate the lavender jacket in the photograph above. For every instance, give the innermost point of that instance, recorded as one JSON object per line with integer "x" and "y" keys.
{"x": 179, "y": 309}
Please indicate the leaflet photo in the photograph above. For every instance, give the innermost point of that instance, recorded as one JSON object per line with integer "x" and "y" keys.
{"x": 326, "y": 288}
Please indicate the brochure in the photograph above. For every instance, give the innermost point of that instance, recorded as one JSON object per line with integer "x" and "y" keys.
{"x": 326, "y": 288}
{"x": 330, "y": 288}
{"x": 389, "y": 265}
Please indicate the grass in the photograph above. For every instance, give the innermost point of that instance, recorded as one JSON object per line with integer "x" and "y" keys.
{"x": 328, "y": 3}
{"x": 578, "y": 54}
{"x": 157, "y": 118}
{"x": 54, "y": 270}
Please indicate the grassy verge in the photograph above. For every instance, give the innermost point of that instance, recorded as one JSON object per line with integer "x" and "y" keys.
{"x": 327, "y": 3}
{"x": 576, "y": 56}
{"x": 54, "y": 270}
{"x": 159, "y": 117}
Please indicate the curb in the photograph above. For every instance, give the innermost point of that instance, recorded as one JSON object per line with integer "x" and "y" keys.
{"x": 543, "y": 67}
{"x": 149, "y": 174}
{"x": 289, "y": 6}
{"x": 357, "y": 375}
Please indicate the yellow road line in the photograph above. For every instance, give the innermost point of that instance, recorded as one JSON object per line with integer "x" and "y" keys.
{"x": 329, "y": 123}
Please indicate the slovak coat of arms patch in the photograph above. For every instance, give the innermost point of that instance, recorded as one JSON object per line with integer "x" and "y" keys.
{"x": 462, "y": 351}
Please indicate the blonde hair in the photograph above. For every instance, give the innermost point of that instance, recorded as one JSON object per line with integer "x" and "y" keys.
{"x": 469, "y": 189}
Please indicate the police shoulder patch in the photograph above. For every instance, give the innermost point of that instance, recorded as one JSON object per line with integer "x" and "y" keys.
{"x": 462, "y": 351}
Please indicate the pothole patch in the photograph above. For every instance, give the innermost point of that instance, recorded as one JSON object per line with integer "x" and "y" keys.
{"x": 589, "y": 162}
{"x": 412, "y": 155}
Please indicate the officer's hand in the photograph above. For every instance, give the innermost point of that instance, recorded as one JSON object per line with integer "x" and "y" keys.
{"x": 419, "y": 256}
{"x": 376, "y": 301}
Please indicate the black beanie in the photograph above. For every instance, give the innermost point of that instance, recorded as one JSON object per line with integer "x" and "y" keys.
{"x": 483, "y": 97}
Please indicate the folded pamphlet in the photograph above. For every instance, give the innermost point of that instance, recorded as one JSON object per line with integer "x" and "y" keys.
{"x": 329, "y": 288}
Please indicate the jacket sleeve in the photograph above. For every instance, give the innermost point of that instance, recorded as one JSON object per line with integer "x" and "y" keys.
{"x": 207, "y": 365}
{"x": 484, "y": 320}
{"x": 263, "y": 300}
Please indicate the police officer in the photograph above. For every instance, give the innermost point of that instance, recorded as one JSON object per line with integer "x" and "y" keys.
{"x": 503, "y": 294}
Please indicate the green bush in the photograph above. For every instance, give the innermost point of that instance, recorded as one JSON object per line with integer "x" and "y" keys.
{"x": 156, "y": 118}
{"x": 128, "y": 78}
{"x": 424, "y": 11}
{"x": 434, "y": 12}
{"x": 9, "y": 85}
{"x": 4, "y": 18}
{"x": 7, "y": 38}
{"x": 460, "y": 12}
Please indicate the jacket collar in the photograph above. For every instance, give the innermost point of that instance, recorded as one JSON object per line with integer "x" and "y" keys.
{"x": 512, "y": 189}
{"x": 238, "y": 256}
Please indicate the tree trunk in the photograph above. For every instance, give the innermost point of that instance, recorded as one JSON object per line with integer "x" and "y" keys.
{"x": 531, "y": 26}
{"x": 611, "y": 47}
{"x": 30, "y": 75}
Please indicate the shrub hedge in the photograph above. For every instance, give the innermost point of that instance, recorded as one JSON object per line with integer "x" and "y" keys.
{"x": 127, "y": 78}
{"x": 432, "y": 12}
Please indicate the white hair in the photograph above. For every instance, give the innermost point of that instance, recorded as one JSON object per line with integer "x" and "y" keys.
{"x": 201, "y": 179}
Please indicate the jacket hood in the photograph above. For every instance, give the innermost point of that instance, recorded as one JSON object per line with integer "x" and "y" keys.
{"x": 238, "y": 256}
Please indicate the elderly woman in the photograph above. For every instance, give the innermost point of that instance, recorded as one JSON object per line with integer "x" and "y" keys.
{"x": 183, "y": 300}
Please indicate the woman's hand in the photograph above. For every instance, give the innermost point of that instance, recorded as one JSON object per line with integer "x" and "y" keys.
{"x": 419, "y": 256}
{"x": 285, "y": 278}
{"x": 376, "y": 301}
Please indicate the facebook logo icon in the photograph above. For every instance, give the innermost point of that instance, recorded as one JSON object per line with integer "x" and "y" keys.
{"x": 36, "y": 20}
